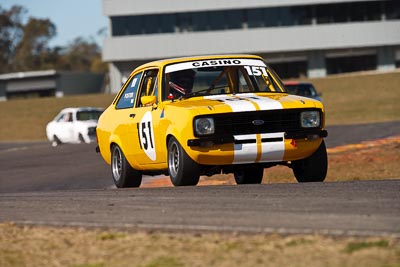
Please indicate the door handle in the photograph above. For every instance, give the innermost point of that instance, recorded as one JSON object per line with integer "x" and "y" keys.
{"x": 132, "y": 115}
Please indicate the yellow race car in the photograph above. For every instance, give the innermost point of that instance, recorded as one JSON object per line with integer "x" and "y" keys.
{"x": 205, "y": 115}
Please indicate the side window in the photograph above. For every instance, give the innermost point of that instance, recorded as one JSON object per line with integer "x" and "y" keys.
{"x": 65, "y": 117}
{"x": 149, "y": 86}
{"x": 69, "y": 117}
{"x": 155, "y": 91}
{"x": 127, "y": 98}
{"x": 244, "y": 83}
{"x": 61, "y": 118}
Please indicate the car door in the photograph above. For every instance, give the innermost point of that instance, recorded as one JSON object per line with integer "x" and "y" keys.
{"x": 124, "y": 134}
{"x": 145, "y": 122}
{"x": 64, "y": 129}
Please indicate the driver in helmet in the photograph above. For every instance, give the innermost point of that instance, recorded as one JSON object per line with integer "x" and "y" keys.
{"x": 181, "y": 83}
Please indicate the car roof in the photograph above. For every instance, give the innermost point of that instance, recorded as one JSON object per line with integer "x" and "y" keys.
{"x": 74, "y": 109}
{"x": 164, "y": 62}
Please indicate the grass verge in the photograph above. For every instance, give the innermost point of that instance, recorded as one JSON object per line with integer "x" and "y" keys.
{"x": 356, "y": 99}
{"x": 47, "y": 246}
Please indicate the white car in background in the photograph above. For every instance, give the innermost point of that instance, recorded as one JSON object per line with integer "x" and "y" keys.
{"x": 74, "y": 125}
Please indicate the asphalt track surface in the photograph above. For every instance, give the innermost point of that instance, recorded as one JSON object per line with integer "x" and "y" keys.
{"x": 71, "y": 185}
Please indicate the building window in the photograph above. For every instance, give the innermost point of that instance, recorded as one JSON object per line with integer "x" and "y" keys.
{"x": 151, "y": 24}
{"x": 234, "y": 19}
{"x": 373, "y": 11}
{"x": 119, "y": 26}
{"x": 256, "y": 18}
{"x": 348, "y": 12}
{"x": 184, "y": 22}
{"x": 293, "y": 69}
{"x": 167, "y": 23}
{"x": 217, "y": 20}
{"x": 392, "y": 9}
{"x": 200, "y": 21}
{"x": 351, "y": 64}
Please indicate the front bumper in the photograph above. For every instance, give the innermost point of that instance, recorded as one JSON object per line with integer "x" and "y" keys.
{"x": 218, "y": 140}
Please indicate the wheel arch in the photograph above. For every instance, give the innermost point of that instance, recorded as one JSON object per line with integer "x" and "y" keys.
{"x": 168, "y": 137}
{"x": 183, "y": 145}
{"x": 115, "y": 140}
{"x": 106, "y": 147}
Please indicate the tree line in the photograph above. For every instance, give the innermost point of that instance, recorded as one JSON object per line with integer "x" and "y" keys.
{"x": 24, "y": 46}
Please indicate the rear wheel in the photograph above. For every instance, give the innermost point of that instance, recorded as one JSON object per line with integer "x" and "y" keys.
{"x": 250, "y": 175}
{"x": 313, "y": 168}
{"x": 182, "y": 169}
{"x": 122, "y": 173}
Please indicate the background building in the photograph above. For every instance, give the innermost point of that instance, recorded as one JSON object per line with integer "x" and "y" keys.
{"x": 49, "y": 83}
{"x": 299, "y": 38}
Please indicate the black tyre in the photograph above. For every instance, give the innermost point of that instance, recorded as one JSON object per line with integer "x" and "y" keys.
{"x": 182, "y": 169}
{"x": 251, "y": 175}
{"x": 313, "y": 168}
{"x": 122, "y": 173}
{"x": 56, "y": 141}
{"x": 81, "y": 139}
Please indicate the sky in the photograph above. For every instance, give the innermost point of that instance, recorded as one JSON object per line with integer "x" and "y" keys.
{"x": 72, "y": 18}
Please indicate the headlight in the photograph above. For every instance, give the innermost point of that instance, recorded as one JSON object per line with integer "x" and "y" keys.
{"x": 310, "y": 119}
{"x": 204, "y": 126}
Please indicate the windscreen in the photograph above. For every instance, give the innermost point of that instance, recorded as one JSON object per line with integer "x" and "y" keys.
{"x": 220, "y": 76}
{"x": 88, "y": 115}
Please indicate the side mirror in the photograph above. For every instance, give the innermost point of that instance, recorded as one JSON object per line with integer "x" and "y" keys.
{"x": 148, "y": 100}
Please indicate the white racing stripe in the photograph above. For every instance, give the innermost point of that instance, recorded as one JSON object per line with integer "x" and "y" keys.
{"x": 245, "y": 153}
{"x": 265, "y": 103}
{"x": 272, "y": 151}
{"x": 248, "y": 152}
{"x": 236, "y": 103}
{"x": 245, "y": 102}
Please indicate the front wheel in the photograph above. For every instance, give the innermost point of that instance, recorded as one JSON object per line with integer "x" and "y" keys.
{"x": 313, "y": 168}
{"x": 250, "y": 175}
{"x": 182, "y": 169}
{"x": 56, "y": 141}
{"x": 81, "y": 138}
{"x": 122, "y": 173}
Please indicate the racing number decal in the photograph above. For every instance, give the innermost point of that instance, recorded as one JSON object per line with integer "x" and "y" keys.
{"x": 146, "y": 136}
{"x": 256, "y": 71}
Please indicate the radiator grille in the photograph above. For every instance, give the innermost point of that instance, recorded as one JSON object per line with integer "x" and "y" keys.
{"x": 270, "y": 121}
